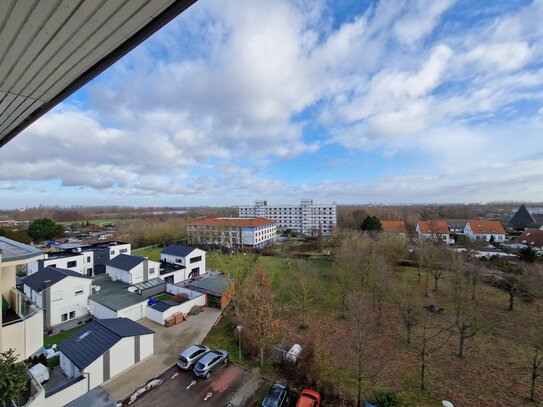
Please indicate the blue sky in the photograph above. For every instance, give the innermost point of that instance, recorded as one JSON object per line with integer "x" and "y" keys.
{"x": 340, "y": 101}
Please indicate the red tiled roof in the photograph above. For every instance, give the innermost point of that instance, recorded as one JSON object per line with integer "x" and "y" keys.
{"x": 531, "y": 238}
{"x": 393, "y": 226}
{"x": 433, "y": 226}
{"x": 486, "y": 227}
{"x": 233, "y": 222}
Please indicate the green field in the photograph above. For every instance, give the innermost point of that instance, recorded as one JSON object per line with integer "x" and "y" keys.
{"x": 61, "y": 337}
{"x": 153, "y": 253}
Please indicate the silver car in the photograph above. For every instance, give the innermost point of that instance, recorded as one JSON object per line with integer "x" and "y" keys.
{"x": 189, "y": 357}
{"x": 210, "y": 362}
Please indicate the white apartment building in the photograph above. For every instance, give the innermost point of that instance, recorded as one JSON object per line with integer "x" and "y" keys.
{"x": 233, "y": 232}
{"x": 307, "y": 217}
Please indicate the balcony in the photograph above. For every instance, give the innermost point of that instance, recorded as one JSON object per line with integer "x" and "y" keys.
{"x": 22, "y": 325}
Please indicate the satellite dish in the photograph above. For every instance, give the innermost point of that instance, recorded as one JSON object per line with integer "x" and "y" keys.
{"x": 447, "y": 403}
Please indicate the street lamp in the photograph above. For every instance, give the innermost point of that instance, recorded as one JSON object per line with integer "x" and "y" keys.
{"x": 239, "y": 340}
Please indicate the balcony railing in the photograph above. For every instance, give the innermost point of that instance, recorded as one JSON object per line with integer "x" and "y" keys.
{"x": 20, "y": 307}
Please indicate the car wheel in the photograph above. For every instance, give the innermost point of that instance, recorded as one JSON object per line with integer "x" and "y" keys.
{"x": 208, "y": 375}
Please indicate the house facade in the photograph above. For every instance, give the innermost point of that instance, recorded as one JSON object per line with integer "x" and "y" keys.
{"x": 307, "y": 217}
{"x": 179, "y": 263}
{"x": 132, "y": 269}
{"x": 488, "y": 230}
{"x": 62, "y": 294}
{"x": 87, "y": 260}
{"x": 233, "y": 232}
{"x": 434, "y": 229}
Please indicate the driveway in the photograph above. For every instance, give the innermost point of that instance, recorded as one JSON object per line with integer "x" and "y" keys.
{"x": 229, "y": 386}
{"x": 168, "y": 343}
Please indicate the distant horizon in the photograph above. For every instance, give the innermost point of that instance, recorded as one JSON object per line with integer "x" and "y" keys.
{"x": 343, "y": 101}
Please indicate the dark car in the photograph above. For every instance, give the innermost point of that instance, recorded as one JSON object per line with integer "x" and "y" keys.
{"x": 210, "y": 362}
{"x": 188, "y": 358}
{"x": 277, "y": 395}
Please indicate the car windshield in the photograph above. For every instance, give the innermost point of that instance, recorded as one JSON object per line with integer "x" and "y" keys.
{"x": 183, "y": 359}
{"x": 270, "y": 402}
{"x": 200, "y": 365}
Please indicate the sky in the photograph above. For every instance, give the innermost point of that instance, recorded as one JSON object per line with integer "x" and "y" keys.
{"x": 344, "y": 101}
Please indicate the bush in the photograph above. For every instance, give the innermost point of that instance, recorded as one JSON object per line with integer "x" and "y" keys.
{"x": 386, "y": 398}
{"x": 180, "y": 298}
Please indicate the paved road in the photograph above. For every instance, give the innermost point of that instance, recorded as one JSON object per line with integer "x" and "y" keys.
{"x": 167, "y": 345}
{"x": 229, "y": 386}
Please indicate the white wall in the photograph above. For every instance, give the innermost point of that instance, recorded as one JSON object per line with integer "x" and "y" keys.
{"x": 121, "y": 356}
{"x": 184, "y": 308}
{"x": 101, "y": 312}
{"x": 69, "y": 301}
{"x": 96, "y": 372}
{"x": 62, "y": 262}
{"x": 119, "y": 249}
{"x": 147, "y": 346}
{"x": 134, "y": 312}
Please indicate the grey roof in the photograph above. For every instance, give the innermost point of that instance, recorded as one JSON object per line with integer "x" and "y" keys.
{"x": 97, "y": 397}
{"x": 522, "y": 218}
{"x": 91, "y": 342}
{"x": 216, "y": 284}
{"x": 114, "y": 294}
{"x": 154, "y": 282}
{"x": 162, "y": 306}
{"x": 49, "y": 276}
{"x": 125, "y": 261}
{"x": 178, "y": 250}
{"x": 12, "y": 250}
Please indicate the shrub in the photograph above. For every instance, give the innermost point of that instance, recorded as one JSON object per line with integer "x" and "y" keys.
{"x": 386, "y": 398}
{"x": 180, "y": 298}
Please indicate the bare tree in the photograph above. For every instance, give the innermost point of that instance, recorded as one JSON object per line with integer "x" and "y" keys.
{"x": 302, "y": 289}
{"x": 536, "y": 343}
{"x": 409, "y": 309}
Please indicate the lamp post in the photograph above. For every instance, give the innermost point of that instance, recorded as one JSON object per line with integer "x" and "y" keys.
{"x": 239, "y": 340}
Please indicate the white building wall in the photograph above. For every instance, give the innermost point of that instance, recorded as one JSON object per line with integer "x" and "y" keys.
{"x": 124, "y": 248}
{"x": 101, "y": 312}
{"x": 75, "y": 263}
{"x": 134, "y": 312}
{"x": 183, "y": 308}
{"x": 63, "y": 299}
{"x": 121, "y": 356}
{"x": 96, "y": 372}
{"x": 147, "y": 346}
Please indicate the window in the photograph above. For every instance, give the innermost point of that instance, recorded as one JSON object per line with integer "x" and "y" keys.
{"x": 71, "y": 264}
{"x": 78, "y": 290}
{"x": 179, "y": 260}
{"x": 195, "y": 259}
{"x": 72, "y": 314}
{"x": 112, "y": 252}
{"x": 152, "y": 270}
{"x": 63, "y": 317}
{"x": 88, "y": 259}
{"x": 124, "y": 250}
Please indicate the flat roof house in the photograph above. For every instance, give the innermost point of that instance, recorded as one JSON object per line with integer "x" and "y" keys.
{"x": 217, "y": 288}
{"x": 233, "y": 232}
{"x": 132, "y": 269}
{"x": 61, "y": 293}
{"x": 180, "y": 263}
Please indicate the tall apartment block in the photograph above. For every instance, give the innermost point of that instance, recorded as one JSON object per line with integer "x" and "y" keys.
{"x": 307, "y": 217}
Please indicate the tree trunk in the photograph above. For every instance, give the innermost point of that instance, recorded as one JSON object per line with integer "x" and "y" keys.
{"x": 436, "y": 279}
{"x": 359, "y": 378}
{"x": 511, "y": 301}
{"x": 535, "y": 375}
{"x": 461, "y": 347}
{"x": 427, "y": 283}
{"x": 422, "y": 368}
{"x": 419, "y": 273}
{"x": 261, "y": 356}
{"x": 408, "y": 333}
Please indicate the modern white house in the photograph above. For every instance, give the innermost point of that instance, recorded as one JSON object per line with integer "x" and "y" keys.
{"x": 87, "y": 260}
{"x": 435, "y": 230}
{"x": 180, "y": 263}
{"x": 104, "y": 349}
{"x": 62, "y": 294}
{"x": 233, "y": 232}
{"x": 113, "y": 299}
{"x": 488, "y": 230}
{"x": 307, "y": 217}
{"x": 132, "y": 269}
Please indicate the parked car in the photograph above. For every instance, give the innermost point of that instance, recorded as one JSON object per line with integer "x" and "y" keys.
{"x": 190, "y": 356}
{"x": 210, "y": 362}
{"x": 277, "y": 395}
{"x": 309, "y": 398}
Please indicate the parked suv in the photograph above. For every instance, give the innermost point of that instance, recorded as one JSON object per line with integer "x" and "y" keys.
{"x": 210, "y": 362}
{"x": 309, "y": 398}
{"x": 191, "y": 355}
{"x": 277, "y": 395}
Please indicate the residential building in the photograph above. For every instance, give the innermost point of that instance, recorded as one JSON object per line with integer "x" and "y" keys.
{"x": 179, "y": 263}
{"x": 21, "y": 324}
{"x": 132, "y": 269}
{"x": 113, "y": 299}
{"x": 522, "y": 219}
{"x": 434, "y": 229}
{"x": 62, "y": 294}
{"x": 104, "y": 349}
{"x": 531, "y": 238}
{"x": 307, "y": 217}
{"x": 393, "y": 226}
{"x": 233, "y": 232}
{"x": 217, "y": 288}
{"x": 457, "y": 226}
{"x": 87, "y": 260}
{"x": 489, "y": 230}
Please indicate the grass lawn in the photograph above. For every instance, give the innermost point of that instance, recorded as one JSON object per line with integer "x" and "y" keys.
{"x": 61, "y": 337}
{"x": 163, "y": 297}
{"x": 153, "y": 253}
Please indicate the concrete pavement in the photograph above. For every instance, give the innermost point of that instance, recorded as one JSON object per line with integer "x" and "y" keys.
{"x": 169, "y": 342}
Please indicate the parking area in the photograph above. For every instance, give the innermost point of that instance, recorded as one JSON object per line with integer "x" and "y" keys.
{"x": 229, "y": 386}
